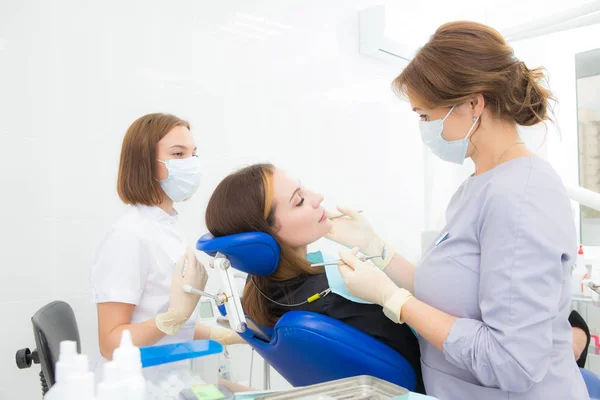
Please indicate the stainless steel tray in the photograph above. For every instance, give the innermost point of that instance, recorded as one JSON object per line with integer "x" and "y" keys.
{"x": 362, "y": 387}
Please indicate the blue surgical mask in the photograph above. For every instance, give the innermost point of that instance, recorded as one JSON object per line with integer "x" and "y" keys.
{"x": 184, "y": 178}
{"x": 454, "y": 151}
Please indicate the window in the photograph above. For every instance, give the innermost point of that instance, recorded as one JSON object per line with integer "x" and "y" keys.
{"x": 588, "y": 121}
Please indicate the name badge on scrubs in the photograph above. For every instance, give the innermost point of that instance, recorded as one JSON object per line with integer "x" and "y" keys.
{"x": 441, "y": 239}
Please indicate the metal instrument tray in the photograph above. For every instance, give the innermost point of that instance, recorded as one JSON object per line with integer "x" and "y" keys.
{"x": 361, "y": 387}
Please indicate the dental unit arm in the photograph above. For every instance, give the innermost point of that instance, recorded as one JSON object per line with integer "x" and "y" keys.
{"x": 585, "y": 197}
{"x": 229, "y": 297}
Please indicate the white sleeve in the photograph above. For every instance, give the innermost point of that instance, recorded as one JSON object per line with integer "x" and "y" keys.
{"x": 119, "y": 269}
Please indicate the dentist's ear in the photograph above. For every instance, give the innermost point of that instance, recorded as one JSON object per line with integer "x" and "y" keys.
{"x": 477, "y": 104}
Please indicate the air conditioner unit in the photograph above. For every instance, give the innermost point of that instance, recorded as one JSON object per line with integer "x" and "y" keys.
{"x": 373, "y": 42}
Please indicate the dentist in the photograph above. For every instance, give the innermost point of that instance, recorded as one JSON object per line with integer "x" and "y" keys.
{"x": 490, "y": 298}
{"x": 140, "y": 267}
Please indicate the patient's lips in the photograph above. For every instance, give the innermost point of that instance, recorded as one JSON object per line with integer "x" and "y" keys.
{"x": 323, "y": 217}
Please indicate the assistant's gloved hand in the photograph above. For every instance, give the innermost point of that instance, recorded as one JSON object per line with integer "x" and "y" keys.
{"x": 225, "y": 336}
{"x": 354, "y": 230}
{"x": 369, "y": 283}
{"x": 188, "y": 271}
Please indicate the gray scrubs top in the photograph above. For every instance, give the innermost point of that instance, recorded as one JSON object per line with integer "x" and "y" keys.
{"x": 503, "y": 268}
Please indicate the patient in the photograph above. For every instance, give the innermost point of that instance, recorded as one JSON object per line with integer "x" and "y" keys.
{"x": 262, "y": 198}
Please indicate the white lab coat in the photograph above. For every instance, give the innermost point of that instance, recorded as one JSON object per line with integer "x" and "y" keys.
{"x": 134, "y": 264}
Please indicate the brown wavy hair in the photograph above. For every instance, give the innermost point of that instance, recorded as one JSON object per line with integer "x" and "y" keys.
{"x": 465, "y": 58}
{"x": 243, "y": 202}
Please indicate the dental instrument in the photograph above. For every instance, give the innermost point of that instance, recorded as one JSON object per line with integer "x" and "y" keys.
{"x": 219, "y": 299}
{"x": 362, "y": 258}
{"x": 342, "y": 215}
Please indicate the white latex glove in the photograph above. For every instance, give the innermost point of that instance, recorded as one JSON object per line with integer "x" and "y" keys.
{"x": 354, "y": 230}
{"x": 225, "y": 336}
{"x": 188, "y": 271}
{"x": 369, "y": 283}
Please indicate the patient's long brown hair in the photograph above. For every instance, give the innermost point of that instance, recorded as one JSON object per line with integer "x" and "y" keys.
{"x": 243, "y": 202}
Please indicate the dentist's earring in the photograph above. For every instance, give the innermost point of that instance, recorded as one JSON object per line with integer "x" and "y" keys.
{"x": 474, "y": 118}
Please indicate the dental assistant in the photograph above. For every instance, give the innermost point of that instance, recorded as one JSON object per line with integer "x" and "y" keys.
{"x": 140, "y": 267}
{"x": 490, "y": 298}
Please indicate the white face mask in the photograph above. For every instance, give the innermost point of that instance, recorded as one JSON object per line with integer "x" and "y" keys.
{"x": 454, "y": 151}
{"x": 184, "y": 178}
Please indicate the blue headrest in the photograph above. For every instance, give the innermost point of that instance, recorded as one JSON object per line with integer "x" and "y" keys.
{"x": 256, "y": 253}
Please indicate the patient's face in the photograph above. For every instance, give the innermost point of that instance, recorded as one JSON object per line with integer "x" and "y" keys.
{"x": 299, "y": 217}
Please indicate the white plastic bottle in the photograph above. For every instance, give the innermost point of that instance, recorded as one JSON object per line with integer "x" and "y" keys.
{"x": 225, "y": 365}
{"x": 111, "y": 387}
{"x": 64, "y": 367}
{"x": 80, "y": 383}
{"x": 128, "y": 359}
{"x": 587, "y": 291}
{"x": 579, "y": 274}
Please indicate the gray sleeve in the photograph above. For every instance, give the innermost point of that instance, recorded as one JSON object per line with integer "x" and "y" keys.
{"x": 519, "y": 292}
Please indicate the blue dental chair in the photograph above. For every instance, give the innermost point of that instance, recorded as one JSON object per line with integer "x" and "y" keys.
{"x": 592, "y": 382}
{"x": 304, "y": 347}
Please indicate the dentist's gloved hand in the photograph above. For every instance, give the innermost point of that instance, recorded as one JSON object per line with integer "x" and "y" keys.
{"x": 369, "y": 283}
{"x": 354, "y": 230}
{"x": 225, "y": 336}
{"x": 188, "y": 271}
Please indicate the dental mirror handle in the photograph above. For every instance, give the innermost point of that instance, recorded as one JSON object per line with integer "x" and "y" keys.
{"x": 340, "y": 262}
{"x": 361, "y": 258}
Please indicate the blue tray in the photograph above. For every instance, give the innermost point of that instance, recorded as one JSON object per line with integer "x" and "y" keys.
{"x": 168, "y": 353}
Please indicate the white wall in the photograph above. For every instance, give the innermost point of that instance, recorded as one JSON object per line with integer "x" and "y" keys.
{"x": 290, "y": 88}
{"x": 259, "y": 81}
